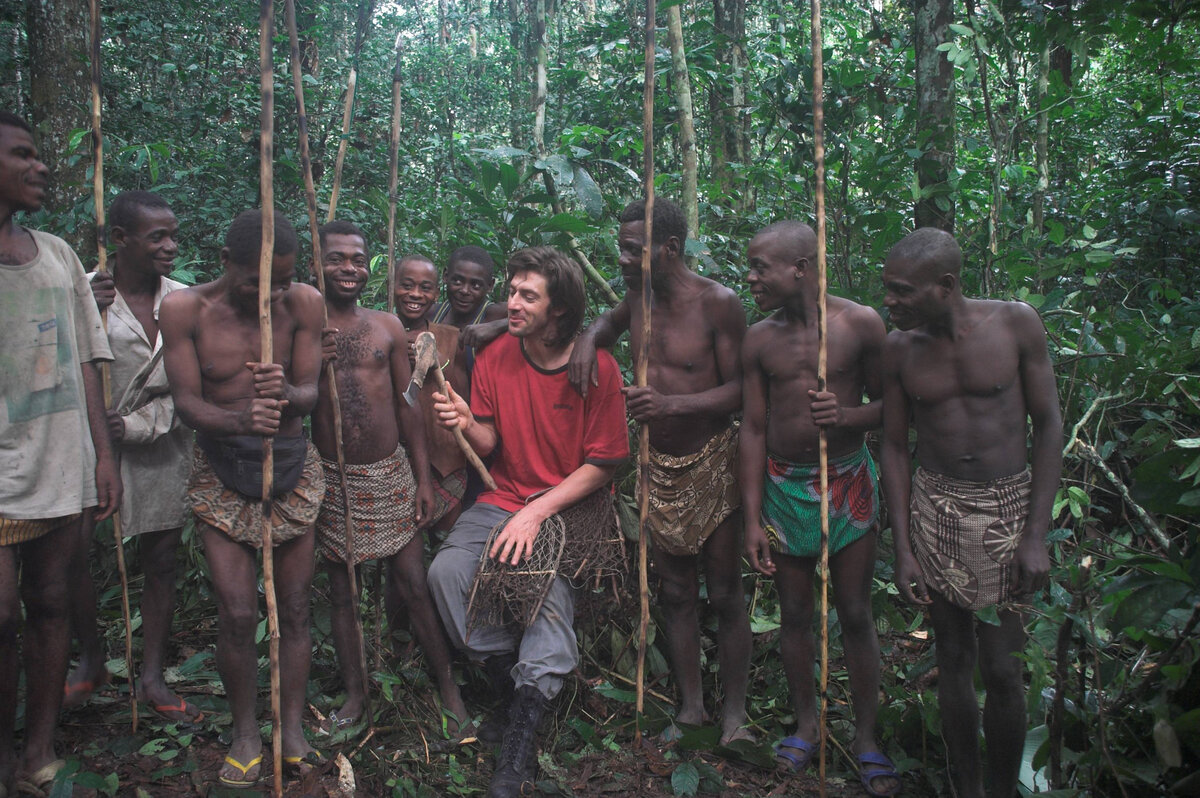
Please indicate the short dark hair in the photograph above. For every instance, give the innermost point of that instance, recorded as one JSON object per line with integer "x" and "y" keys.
{"x": 564, "y": 284}
{"x": 12, "y": 120}
{"x": 338, "y": 227}
{"x": 125, "y": 211}
{"x": 931, "y": 250}
{"x": 472, "y": 255}
{"x": 243, "y": 240}
{"x": 800, "y": 237}
{"x": 415, "y": 258}
{"x": 668, "y": 219}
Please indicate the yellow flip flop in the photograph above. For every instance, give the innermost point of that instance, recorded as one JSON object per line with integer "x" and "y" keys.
{"x": 244, "y": 781}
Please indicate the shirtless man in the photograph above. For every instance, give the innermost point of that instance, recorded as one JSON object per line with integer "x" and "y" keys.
{"x": 694, "y": 387}
{"x": 231, "y": 399}
{"x": 156, "y": 449}
{"x": 972, "y": 375}
{"x": 390, "y": 491}
{"x": 781, "y": 485}
{"x": 416, "y": 290}
{"x": 57, "y": 459}
{"x": 552, "y": 451}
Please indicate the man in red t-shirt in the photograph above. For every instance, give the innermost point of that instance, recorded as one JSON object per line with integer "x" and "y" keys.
{"x": 550, "y": 443}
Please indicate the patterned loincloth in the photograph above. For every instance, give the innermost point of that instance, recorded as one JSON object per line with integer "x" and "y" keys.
{"x": 382, "y": 500}
{"x": 791, "y": 503}
{"x": 14, "y": 531}
{"x": 447, "y": 492}
{"x": 240, "y": 517}
{"x": 964, "y": 534}
{"x": 691, "y": 495}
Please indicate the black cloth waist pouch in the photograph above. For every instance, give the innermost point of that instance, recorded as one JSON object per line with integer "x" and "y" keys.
{"x": 237, "y": 460}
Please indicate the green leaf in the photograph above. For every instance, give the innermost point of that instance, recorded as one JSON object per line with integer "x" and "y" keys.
{"x": 962, "y": 30}
{"x": 589, "y": 193}
{"x": 563, "y": 223}
{"x": 685, "y": 780}
{"x": 1188, "y": 443}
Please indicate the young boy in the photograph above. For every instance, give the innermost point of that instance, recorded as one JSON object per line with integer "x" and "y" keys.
{"x": 781, "y": 493}
{"x": 416, "y": 290}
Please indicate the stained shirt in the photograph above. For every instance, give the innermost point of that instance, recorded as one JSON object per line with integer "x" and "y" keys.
{"x": 49, "y": 326}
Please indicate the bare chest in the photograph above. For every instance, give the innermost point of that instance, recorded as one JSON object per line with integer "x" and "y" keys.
{"x": 681, "y": 339}
{"x": 363, "y": 348}
{"x": 977, "y": 367}
{"x": 226, "y": 342}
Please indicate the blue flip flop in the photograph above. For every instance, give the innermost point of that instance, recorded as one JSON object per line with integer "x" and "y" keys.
{"x": 794, "y": 763}
{"x": 882, "y": 768}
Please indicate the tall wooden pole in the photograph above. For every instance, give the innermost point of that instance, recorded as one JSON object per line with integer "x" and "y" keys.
{"x": 347, "y": 113}
{"x": 105, "y": 376}
{"x": 310, "y": 196}
{"x": 393, "y": 180}
{"x": 266, "y": 74}
{"x": 643, "y": 359}
{"x": 822, "y": 358}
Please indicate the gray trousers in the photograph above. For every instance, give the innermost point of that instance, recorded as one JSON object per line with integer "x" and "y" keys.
{"x": 546, "y": 652}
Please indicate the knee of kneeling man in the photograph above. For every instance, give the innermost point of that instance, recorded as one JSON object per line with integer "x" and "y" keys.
{"x": 446, "y": 572}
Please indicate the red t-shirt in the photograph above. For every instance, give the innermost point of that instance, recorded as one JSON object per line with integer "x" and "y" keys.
{"x": 546, "y": 429}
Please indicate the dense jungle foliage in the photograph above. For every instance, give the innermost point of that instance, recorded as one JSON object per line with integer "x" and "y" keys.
{"x": 1097, "y": 227}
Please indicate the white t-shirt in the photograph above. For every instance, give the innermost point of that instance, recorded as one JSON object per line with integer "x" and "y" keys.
{"x": 49, "y": 325}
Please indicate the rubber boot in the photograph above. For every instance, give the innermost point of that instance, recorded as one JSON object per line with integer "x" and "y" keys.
{"x": 498, "y": 668}
{"x": 516, "y": 766}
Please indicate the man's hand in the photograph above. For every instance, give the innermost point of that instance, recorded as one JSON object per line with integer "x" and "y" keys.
{"x": 758, "y": 549}
{"x": 583, "y": 371}
{"x": 328, "y": 345}
{"x": 646, "y": 404}
{"x": 451, "y": 409}
{"x": 263, "y": 416}
{"x": 910, "y": 580}
{"x": 424, "y": 503}
{"x": 116, "y": 427}
{"x": 515, "y": 541}
{"x": 104, "y": 290}
{"x": 108, "y": 487}
{"x": 826, "y": 412}
{"x": 268, "y": 380}
{"x": 1030, "y": 565}
{"x": 477, "y": 336}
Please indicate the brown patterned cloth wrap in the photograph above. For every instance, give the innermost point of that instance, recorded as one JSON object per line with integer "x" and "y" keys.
{"x": 15, "y": 531}
{"x": 382, "y": 502}
{"x": 964, "y": 534}
{"x": 691, "y": 495}
{"x": 447, "y": 492}
{"x": 240, "y": 517}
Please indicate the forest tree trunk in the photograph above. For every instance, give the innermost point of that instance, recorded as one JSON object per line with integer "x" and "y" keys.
{"x": 687, "y": 129}
{"x": 58, "y": 97}
{"x": 730, "y": 126}
{"x": 935, "y": 115}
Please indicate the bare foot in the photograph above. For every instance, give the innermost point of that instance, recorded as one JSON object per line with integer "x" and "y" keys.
{"x": 739, "y": 733}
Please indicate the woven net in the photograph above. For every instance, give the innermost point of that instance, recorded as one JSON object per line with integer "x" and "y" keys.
{"x": 582, "y": 542}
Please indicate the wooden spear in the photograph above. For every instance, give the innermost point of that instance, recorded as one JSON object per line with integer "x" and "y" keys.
{"x": 643, "y": 360}
{"x": 393, "y": 180}
{"x": 266, "y": 74}
{"x": 822, "y": 358}
{"x": 105, "y": 376}
{"x": 310, "y": 195}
